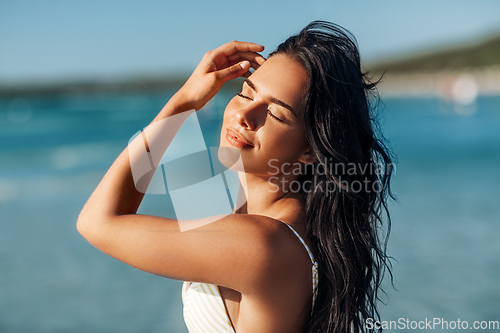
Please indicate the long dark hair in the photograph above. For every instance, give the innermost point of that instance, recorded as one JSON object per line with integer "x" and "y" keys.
{"x": 346, "y": 190}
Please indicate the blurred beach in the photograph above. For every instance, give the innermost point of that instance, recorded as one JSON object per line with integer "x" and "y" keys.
{"x": 55, "y": 148}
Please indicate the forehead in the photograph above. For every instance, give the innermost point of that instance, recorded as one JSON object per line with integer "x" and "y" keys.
{"x": 283, "y": 78}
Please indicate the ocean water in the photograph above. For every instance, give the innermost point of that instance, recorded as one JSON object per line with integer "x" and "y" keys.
{"x": 54, "y": 150}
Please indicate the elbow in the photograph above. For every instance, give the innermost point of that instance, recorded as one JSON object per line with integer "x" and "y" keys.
{"x": 82, "y": 224}
{"x": 90, "y": 229}
{"x": 94, "y": 225}
{"x": 86, "y": 218}
{"x": 88, "y": 224}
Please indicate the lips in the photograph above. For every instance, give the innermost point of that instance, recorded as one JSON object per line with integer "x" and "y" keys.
{"x": 237, "y": 140}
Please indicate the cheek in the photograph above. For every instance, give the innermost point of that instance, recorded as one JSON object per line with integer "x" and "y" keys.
{"x": 284, "y": 142}
{"x": 290, "y": 136}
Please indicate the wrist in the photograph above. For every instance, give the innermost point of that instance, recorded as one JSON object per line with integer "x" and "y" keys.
{"x": 177, "y": 104}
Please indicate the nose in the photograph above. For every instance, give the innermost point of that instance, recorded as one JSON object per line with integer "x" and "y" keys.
{"x": 252, "y": 116}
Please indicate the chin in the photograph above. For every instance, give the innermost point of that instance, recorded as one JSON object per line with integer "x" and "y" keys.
{"x": 230, "y": 158}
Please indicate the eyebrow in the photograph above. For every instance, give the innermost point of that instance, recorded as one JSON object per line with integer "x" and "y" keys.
{"x": 272, "y": 99}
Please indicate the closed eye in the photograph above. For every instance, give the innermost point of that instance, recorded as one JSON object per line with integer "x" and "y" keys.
{"x": 244, "y": 97}
{"x": 268, "y": 111}
{"x": 273, "y": 116}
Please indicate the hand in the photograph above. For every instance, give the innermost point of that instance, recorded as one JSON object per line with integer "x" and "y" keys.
{"x": 226, "y": 62}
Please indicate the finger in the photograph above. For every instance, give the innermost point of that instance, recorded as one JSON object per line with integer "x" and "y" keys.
{"x": 253, "y": 64}
{"x": 237, "y": 46}
{"x": 219, "y": 56}
{"x": 256, "y": 60}
{"x": 234, "y": 71}
{"x": 260, "y": 60}
{"x": 250, "y": 56}
{"x": 247, "y": 74}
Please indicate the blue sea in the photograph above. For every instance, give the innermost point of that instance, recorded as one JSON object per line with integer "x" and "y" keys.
{"x": 55, "y": 149}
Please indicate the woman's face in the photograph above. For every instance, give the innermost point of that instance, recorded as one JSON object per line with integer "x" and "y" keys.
{"x": 264, "y": 121}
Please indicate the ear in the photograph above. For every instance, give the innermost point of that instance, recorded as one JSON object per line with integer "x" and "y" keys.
{"x": 308, "y": 157}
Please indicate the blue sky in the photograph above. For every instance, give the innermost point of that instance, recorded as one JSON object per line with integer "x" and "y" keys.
{"x": 69, "y": 40}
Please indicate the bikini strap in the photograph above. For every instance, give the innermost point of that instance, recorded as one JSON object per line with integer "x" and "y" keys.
{"x": 303, "y": 243}
{"x": 314, "y": 266}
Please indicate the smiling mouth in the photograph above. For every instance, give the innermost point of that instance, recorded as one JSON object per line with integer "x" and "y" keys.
{"x": 237, "y": 140}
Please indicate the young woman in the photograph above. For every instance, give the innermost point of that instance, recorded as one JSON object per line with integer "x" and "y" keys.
{"x": 303, "y": 254}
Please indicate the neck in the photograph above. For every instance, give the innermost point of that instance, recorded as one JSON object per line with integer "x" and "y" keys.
{"x": 272, "y": 197}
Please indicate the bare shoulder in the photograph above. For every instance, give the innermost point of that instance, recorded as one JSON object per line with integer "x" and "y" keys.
{"x": 277, "y": 253}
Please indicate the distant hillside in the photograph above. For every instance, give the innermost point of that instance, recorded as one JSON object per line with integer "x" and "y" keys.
{"x": 472, "y": 56}
{"x": 148, "y": 84}
{"x": 85, "y": 87}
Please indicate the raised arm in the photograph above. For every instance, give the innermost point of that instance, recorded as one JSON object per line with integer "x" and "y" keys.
{"x": 108, "y": 219}
{"x": 117, "y": 194}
